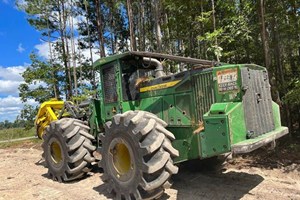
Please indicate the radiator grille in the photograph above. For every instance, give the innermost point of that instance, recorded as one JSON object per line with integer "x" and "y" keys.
{"x": 204, "y": 95}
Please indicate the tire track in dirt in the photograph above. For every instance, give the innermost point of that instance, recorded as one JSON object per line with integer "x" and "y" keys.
{"x": 23, "y": 176}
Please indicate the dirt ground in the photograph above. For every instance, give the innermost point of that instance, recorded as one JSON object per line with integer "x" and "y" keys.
{"x": 23, "y": 176}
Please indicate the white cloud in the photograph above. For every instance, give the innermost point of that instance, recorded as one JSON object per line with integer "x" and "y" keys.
{"x": 86, "y": 54}
{"x": 11, "y": 106}
{"x": 10, "y": 79}
{"x": 20, "y": 49}
{"x": 9, "y": 87}
{"x": 20, "y": 5}
{"x": 77, "y": 20}
{"x": 43, "y": 50}
{"x": 12, "y": 73}
{"x": 10, "y": 103}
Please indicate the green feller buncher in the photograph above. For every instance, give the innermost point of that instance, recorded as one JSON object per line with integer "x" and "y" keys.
{"x": 145, "y": 120}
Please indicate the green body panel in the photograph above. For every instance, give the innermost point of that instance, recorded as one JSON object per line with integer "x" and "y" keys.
{"x": 212, "y": 96}
{"x": 184, "y": 136}
{"x": 95, "y": 120}
{"x": 224, "y": 125}
{"x": 215, "y": 140}
{"x": 276, "y": 115}
{"x": 236, "y": 123}
{"x": 234, "y": 113}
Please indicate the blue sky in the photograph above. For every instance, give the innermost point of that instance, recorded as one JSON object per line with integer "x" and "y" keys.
{"x": 17, "y": 40}
{"x": 15, "y": 34}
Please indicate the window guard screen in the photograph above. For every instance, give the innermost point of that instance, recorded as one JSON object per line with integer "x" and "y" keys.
{"x": 109, "y": 84}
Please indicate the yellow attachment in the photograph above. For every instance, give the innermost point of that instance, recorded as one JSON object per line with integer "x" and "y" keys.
{"x": 48, "y": 112}
{"x": 121, "y": 158}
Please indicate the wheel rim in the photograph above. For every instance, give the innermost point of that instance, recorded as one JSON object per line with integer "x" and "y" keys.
{"x": 121, "y": 160}
{"x": 56, "y": 152}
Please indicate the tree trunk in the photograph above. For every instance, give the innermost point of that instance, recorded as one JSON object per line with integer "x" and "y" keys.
{"x": 214, "y": 25}
{"x": 297, "y": 35}
{"x": 281, "y": 73}
{"x": 168, "y": 44}
{"x": 112, "y": 27}
{"x": 80, "y": 66}
{"x": 157, "y": 25}
{"x": 90, "y": 45}
{"x": 203, "y": 48}
{"x": 73, "y": 52}
{"x": 100, "y": 28}
{"x": 112, "y": 39}
{"x": 69, "y": 66}
{"x": 142, "y": 30}
{"x": 62, "y": 30}
{"x": 139, "y": 27}
{"x": 65, "y": 19}
{"x": 131, "y": 26}
{"x": 263, "y": 34}
{"x": 89, "y": 34}
{"x": 55, "y": 91}
{"x": 151, "y": 25}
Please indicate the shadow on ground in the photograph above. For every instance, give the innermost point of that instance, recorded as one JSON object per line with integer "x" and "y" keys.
{"x": 102, "y": 189}
{"x": 197, "y": 181}
{"x": 95, "y": 169}
{"x": 285, "y": 156}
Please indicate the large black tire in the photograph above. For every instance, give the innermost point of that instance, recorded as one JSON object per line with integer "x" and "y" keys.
{"x": 137, "y": 156}
{"x": 68, "y": 149}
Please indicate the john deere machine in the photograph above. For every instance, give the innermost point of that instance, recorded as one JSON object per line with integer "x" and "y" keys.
{"x": 144, "y": 120}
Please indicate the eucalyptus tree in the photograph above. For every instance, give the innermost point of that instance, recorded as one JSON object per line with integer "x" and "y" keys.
{"x": 50, "y": 17}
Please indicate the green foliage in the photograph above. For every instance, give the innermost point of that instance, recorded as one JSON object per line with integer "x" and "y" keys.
{"x": 28, "y": 143}
{"x": 215, "y": 50}
{"x": 85, "y": 94}
{"x": 14, "y": 133}
{"x": 6, "y": 124}
{"x": 211, "y": 37}
{"x": 292, "y": 97}
{"x": 40, "y": 78}
{"x": 205, "y": 17}
{"x": 186, "y": 28}
{"x": 28, "y": 114}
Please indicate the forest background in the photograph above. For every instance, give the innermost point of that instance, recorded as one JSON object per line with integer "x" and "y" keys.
{"x": 264, "y": 32}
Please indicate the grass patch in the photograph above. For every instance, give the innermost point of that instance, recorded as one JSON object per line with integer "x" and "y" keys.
{"x": 14, "y": 133}
{"x": 31, "y": 143}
